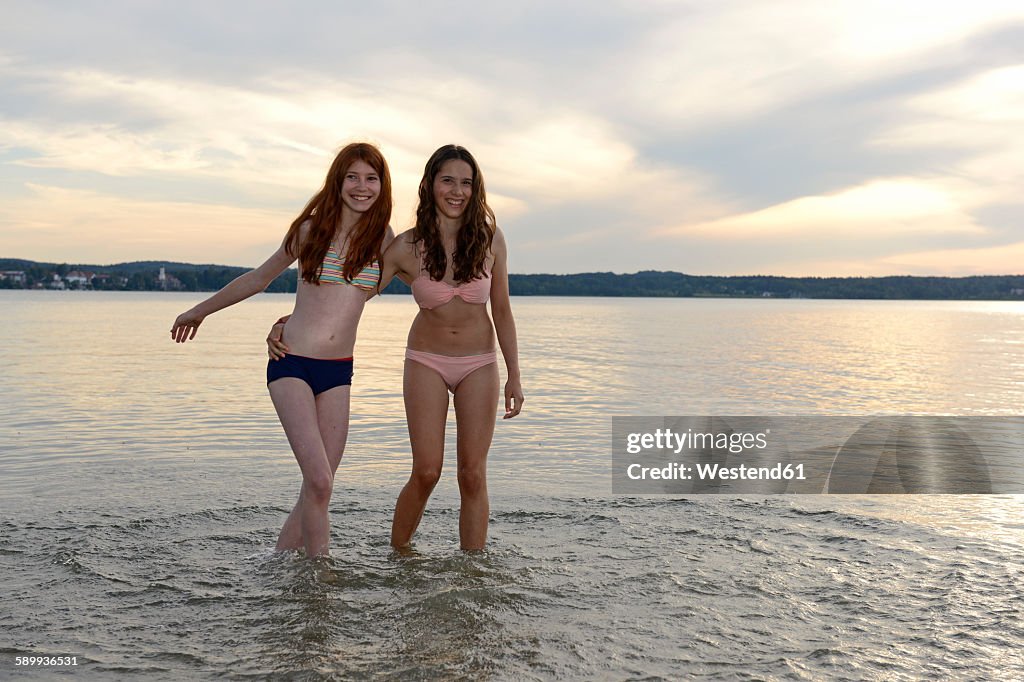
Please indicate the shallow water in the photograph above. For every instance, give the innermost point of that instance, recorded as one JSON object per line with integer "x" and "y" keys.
{"x": 143, "y": 485}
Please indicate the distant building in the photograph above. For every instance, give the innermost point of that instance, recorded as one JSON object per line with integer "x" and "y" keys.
{"x": 1016, "y": 292}
{"x": 57, "y": 282}
{"x": 77, "y": 279}
{"x": 169, "y": 282}
{"x": 16, "y": 276}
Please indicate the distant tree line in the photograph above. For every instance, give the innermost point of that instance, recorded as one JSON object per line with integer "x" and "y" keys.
{"x": 673, "y": 284}
{"x": 144, "y": 276}
{"x": 138, "y": 276}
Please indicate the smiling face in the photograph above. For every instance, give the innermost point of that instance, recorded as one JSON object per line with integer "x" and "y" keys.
{"x": 453, "y": 188}
{"x": 360, "y": 187}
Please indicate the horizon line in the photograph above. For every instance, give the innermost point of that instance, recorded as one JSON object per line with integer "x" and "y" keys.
{"x": 537, "y": 274}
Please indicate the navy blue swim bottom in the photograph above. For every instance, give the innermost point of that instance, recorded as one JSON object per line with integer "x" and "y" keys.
{"x": 321, "y": 375}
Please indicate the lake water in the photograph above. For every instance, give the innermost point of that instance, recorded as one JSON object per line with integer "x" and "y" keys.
{"x": 143, "y": 483}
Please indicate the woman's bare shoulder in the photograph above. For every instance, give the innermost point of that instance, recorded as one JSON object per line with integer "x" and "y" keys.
{"x": 304, "y": 229}
{"x": 403, "y": 249}
{"x": 406, "y": 242}
{"x": 498, "y": 245}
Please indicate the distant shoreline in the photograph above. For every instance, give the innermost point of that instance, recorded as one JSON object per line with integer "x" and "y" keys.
{"x": 171, "y": 276}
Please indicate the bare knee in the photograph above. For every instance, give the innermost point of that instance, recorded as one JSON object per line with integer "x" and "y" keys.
{"x": 425, "y": 478}
{"x": 317, "y": 487}
{"x": 472, "y": 481}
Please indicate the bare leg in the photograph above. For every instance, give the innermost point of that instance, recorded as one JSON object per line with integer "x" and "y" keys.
{"x": 299, "y": 415}
{"x": 476, "y": 400}
{"x": 291, "y": 532}
{"x": 333, "y": 420}
{"x": 426, "y": 410}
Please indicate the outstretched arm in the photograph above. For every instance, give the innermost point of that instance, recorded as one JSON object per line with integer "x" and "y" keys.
{"x": 239, "y": 289}
{"x": 505, "y": 327}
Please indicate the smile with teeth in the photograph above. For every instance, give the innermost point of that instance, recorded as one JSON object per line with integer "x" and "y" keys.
{"x": 455, "y": 203}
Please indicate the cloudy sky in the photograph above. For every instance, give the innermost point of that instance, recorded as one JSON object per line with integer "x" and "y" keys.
{"x": 789, "y": 137}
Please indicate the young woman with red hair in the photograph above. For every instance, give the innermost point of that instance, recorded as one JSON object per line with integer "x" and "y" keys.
{"x": 338, "y": 240}
{"x": 455, "y": 260}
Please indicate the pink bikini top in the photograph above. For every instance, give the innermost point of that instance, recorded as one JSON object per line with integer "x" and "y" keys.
{"x": 431, "y": 294}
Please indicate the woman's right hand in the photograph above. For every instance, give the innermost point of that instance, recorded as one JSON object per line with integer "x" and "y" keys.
{"x": 186, "y": 325}
{"x": 276, "y": 348}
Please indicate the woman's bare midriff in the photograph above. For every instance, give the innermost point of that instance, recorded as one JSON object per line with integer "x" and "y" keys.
{"x": 457, "y": 329}
{"x": 313, "y": 334}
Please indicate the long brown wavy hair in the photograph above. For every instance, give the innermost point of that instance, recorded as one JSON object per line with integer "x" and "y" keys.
{"x": 324, "y": 213}
{"x": 478, "y": 223}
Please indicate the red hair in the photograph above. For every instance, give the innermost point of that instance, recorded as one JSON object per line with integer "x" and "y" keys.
{"x": 324, "y": 215}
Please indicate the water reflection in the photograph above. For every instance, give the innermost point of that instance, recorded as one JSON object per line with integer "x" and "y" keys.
{"x": 94, "y": 376}
{"x": 173, "y": 457}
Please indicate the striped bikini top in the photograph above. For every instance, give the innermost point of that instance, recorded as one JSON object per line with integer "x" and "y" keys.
{"x": 334, "y": 263}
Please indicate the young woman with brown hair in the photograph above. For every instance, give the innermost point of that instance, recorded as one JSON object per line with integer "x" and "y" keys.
{"x": 338, "y": 240}
{"x": 455, "y": 260}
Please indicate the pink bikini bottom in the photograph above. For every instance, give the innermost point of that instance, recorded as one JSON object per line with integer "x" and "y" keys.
{"x": 453, "y": 369}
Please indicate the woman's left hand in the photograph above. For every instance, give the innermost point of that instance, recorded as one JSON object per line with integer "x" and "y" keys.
{"x": 513, "y": 398}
